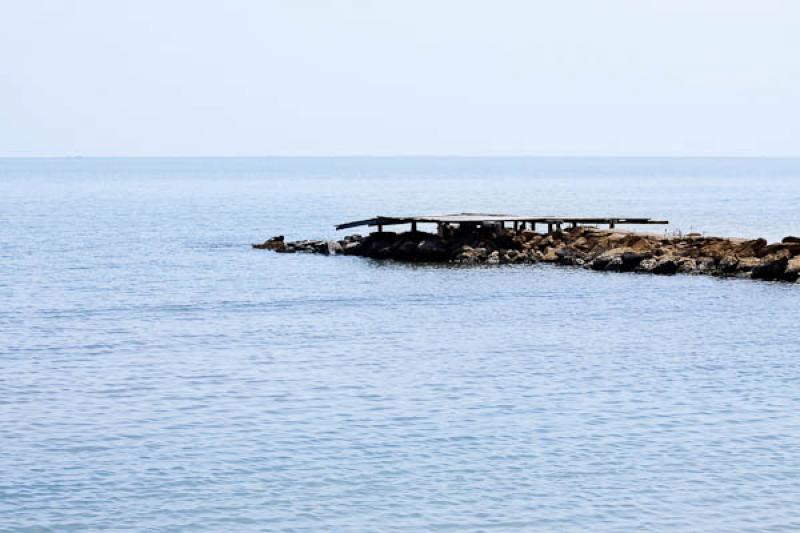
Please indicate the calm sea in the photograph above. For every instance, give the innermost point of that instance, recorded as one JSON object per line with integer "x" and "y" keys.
{"x": 156, "y": 373}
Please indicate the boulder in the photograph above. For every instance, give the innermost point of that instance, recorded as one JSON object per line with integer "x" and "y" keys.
{"x": 631, "y": 260}
{"x": 729, "y": 264}
{"x": 639, "y": 244}
{"x": 432, "y": 249}
{"x": 617, "y": 237}
{"x": 647, "y": 265}
{"x": 513, "y": 256}
{"x": 791, "y": 240}
{"x": 610, "y": 260}
{"x": 792, "y": 272}
{"x": 615, "y": 265}
{"x": 568, "y": 256}
{"x": 352, "y": 248}
{"x": 749, "y": 248}
{"x": 582, "y": 243}
{"x": 771, "y": 270}
{"x": 706, "y": 265}
{"x": 275, "y": 244}
{"x": 666, "y": 266}
{"x": 790, "y": 249}
{"x": 322, "y": 247}
{"x": 405, "y": 250}
{"x": 747, "y": 264}
{"x": 378, "y": 245}
{"x": 306, "y": 247}
{"x": 687, "y": 265}
{"x": 549, "y": 255}
{"x": 468, "y": 258}
{"x": 600, "y": 262}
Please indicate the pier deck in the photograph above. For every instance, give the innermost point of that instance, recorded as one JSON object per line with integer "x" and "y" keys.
{"x": 483, "y": 218}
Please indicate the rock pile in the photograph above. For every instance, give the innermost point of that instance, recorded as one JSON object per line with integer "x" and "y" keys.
{"x": 587, "y": 247}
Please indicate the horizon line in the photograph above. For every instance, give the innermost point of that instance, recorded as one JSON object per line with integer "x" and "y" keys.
{"x": 401, "y": 156}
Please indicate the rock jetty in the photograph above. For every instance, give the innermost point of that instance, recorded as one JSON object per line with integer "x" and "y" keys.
{"x": 582, "y": 246}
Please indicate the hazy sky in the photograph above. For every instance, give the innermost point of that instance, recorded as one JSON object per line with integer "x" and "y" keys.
{"x": 339, "y": 77}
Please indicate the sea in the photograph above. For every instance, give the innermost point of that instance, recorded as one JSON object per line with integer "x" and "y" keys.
{"x": 159, "y": 374}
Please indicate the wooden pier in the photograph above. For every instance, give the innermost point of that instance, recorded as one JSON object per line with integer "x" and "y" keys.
{"x": 518, "y": 222}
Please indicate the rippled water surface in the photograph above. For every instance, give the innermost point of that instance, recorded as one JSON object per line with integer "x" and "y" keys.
{"x": 157, "y": 373}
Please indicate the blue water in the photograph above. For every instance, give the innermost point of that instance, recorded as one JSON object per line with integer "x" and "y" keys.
{"x": 158, "y": 374}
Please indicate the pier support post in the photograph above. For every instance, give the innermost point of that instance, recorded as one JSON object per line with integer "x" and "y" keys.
{"x": 413, "y": 227}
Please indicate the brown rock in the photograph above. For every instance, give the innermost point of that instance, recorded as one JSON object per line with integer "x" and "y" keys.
{"x": 792, "y": 272}
{"x": 687, "y": 265}
{"x": 790, "y": 248}
{"x": 747, "y": 264}
{"x": 550, "y": 255}
{"x": 749, "y": 248}
{"x": 276, "y": 244}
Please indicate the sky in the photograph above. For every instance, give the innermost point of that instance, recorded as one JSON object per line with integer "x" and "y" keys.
{"x": 400, "y": 77}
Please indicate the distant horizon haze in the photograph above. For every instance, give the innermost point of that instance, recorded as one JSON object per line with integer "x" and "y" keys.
{"x": 364, "y": 78}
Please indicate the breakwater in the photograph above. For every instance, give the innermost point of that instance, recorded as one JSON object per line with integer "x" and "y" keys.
{"x": 582, "y": 246}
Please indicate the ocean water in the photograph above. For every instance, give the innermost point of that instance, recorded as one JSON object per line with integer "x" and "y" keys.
{"x": 156, "y": 373}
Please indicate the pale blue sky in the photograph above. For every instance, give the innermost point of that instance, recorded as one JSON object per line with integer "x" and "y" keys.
{"x": 426, "y": 77}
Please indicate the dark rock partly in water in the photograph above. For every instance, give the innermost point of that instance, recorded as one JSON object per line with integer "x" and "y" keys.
{"x": 569, "y": 256}
{"x": 771, "y": 270}
{"x": 432, "y": 248}
{"x": 279, "y": 244}
{"x": 275, "y": 244}
{"x": 379, "y": 245}
{"x": 666, "y": 266}
{"x": 601, "y": 262}
{"x": 632, "y": 260}
{"x": 792, "y": 272}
